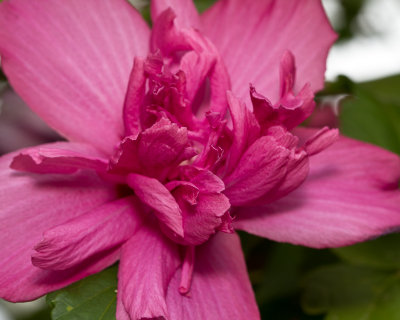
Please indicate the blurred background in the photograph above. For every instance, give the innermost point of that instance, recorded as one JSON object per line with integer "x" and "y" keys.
{"x": 362, "y": 97}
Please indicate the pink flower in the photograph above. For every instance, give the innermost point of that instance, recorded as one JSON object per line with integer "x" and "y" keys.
{"x": 165, "y": 159}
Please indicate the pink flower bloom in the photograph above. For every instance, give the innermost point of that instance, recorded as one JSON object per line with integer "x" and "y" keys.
{"x": 170, "y": 150}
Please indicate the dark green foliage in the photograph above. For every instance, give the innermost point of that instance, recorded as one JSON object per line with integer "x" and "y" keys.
{"x": 203, "y": 5}
{"x": 372, "y": 113}
{"x": 382, "y": 253}
{"x": 346, "y": 292}
{"x": 93, "y": 298}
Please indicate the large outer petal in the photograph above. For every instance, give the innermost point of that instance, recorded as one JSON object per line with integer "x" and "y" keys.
{"x": 70, "y": 61}
{"x": 253, "y": 35}
{"x": 351, "y": 195}
{"x": 221, "y": 288}
{"x": 31, "y": 204}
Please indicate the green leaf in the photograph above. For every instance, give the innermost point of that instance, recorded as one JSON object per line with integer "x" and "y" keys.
{"x": 352, "y": 293}
{"x": 372, "y": 113}
{"x": 385, "y": 89}
{"x": 93, "y": 298}
{"x": 203, "y": 5}
{"x": 280, "y": 277}
{"x": 382, "y": 253}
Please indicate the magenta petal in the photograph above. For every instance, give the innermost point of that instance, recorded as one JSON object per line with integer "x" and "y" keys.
{"x": 75, "y": 75}
{"x": 260, "y": 168}
{"x": 207, "y": 181}
{"x": 252, "y": 53}
{"x": 148, "y": 262}
{"x": 99, "y": 230}
{"x": 201, "y": 211}
{"x": 196, "y": 67}
{"x": 32, "y": 204}
{"x": 290, "y": 111}
{"x": 203, "y": 61}
{"x": 125, "y": 158}
{"x": 351, "y": 195}
{"x": 167, "y": 37}
{"x": 134, "y": 98}
{"x": 59, "y": 157}
{"x": 202, "y": 203}
{"x": 245, "y": 130}
{"x": 321, "y": 140}
{"x": 287, "y": 73}
{"x": 297, "y": 166}
{"x": 296, "y": 172}
{"x": 220, "y": 288}
{"x": 203, "y": 219}
{"x": 153, "y": 193}
{"x": 161, "y": 146}
{"x": 185, "y": 10}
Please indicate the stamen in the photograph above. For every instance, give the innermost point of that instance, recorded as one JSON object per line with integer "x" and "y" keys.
{"x": 187, "y": 271}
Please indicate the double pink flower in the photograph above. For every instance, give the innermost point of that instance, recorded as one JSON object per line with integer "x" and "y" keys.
{"x": 170, "y": 150}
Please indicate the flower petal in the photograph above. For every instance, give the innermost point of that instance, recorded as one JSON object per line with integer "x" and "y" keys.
{"x": 99, "y": 230}
{"x": 350, "y": 195}
{"x": 148, "y": 262}
{"x": 31, "y": 204}
{"x": 297, "y": 167}
{"x": 134, "y": 98}
{"x": 261, "y": 167}
{"x": 290, "y": 111}
{"x": 153, "y": 193}
{"x": 171, "y": 39}
{"x": 205, "y": 180}
{"x": 253, "y": 35}
{"x": 202, "y": 213}
{"x": 59, "y": 157}
{"x": 245, "y": 130}
{"x": 220, "y": 288}
{"x": 203, "y": 219}
{"x": 321, "y": 140}
{"x": 70, "y": 61}
{"x": 162, "y": 146}
{"x": 186, "y": 12}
